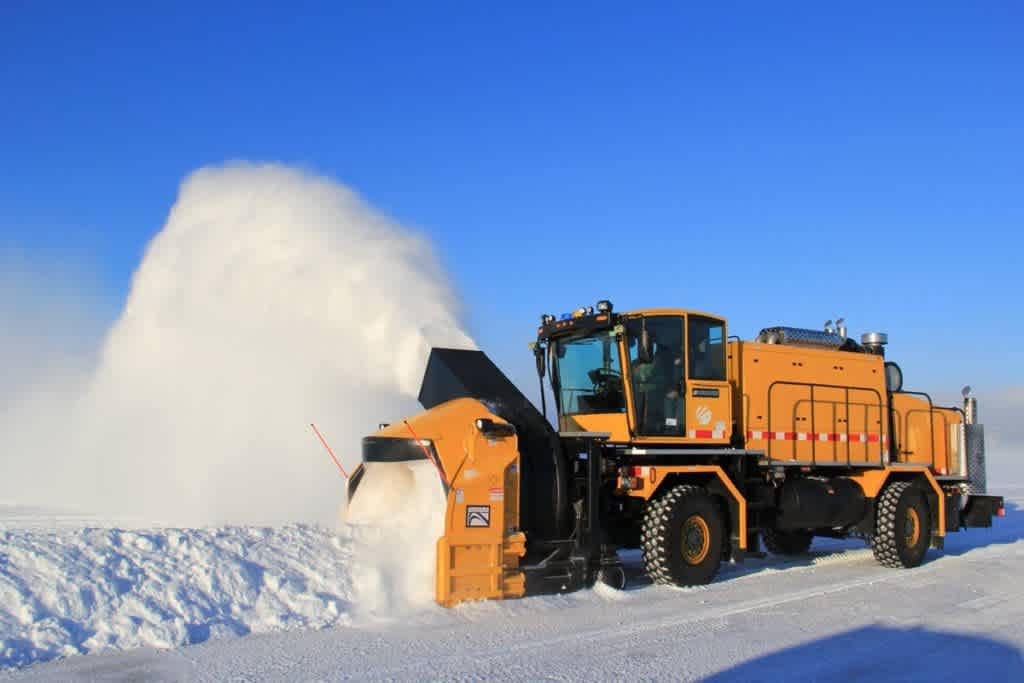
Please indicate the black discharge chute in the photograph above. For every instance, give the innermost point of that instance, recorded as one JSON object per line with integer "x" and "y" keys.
{"x": 543, "y": 489}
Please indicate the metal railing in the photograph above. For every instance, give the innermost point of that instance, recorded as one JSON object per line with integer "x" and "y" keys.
{"x": 879, "y": 404}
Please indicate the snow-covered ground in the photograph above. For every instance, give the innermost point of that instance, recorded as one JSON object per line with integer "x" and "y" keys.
{"x": 69, "y": 586}
{"x": 67, "y": 590}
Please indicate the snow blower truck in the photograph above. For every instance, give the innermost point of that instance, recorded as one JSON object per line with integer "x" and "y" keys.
{"x": 688, "y": 444}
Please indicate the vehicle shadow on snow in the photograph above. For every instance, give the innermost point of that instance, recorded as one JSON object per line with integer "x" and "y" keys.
{"x": 884, "y": 652}
{"x": 1004, "y": 530}
{"x": 730, "y": 571}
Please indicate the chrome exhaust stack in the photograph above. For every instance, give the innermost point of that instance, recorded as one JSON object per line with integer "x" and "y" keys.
{"x": 974, "y": 441}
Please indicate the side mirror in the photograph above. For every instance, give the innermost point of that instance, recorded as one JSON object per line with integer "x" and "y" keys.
{"x": 893, "y": 377}
{"x": 644, "y": 352}
{"x": 538, "y": 356}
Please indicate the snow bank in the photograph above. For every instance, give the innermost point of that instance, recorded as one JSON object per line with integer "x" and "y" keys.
{"x": 74, "y": 591}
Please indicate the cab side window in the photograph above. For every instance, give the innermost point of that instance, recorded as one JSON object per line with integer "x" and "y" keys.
{"x": 706, "y": 346}
{"x": 657, "y": 378}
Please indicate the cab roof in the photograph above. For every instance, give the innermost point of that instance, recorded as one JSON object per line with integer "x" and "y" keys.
{"x": 573, "y": 324}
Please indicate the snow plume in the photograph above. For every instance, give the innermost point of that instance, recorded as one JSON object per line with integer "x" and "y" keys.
{"x": 50, "y": 327}
{"x": 271, "y": 298}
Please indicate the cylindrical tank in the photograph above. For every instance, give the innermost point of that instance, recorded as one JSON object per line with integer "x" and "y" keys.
{"x": 820, "y": 504}
{"x": 797, "y": 336}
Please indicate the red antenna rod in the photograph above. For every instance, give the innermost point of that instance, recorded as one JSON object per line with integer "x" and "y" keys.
{"x": 329, "y": 451}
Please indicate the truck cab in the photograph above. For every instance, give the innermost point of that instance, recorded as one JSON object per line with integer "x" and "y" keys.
{"x": 653, "y": 376}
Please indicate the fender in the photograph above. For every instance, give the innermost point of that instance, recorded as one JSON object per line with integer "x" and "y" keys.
{"x": 647, "y": 481}
{"x": 873, "y": 481}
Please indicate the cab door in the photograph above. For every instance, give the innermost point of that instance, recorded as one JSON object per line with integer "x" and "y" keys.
{"x": 708, "y": 395}
{"x": 657, "y": 404}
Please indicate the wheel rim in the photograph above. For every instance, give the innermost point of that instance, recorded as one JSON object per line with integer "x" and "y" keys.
{"x": 696, "y": 539}
{"x": 912, "y": 528}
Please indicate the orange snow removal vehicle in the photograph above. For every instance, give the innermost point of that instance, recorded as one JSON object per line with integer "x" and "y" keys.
{"x": 690, "y": 445}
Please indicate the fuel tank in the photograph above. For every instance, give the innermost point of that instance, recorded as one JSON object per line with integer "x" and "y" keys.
{"x": 820, "y": 504}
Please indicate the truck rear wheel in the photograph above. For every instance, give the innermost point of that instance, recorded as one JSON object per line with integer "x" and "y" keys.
{"x": 902, "y": 526}
{"x": 779, "y": 542}
{"x": 682, "y": 537}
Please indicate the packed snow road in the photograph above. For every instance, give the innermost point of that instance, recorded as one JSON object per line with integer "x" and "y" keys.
{"x": 834, "y": 615}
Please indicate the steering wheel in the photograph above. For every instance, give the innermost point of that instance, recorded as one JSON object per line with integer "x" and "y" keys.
{"x": 604, "y": 376}
{"x": 607, "y": 382}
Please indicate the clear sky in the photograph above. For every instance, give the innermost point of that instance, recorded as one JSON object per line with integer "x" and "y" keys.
{"x": 772, "y": 162}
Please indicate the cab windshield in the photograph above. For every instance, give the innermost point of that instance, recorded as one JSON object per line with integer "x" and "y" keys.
{"x": 588, "y": 375}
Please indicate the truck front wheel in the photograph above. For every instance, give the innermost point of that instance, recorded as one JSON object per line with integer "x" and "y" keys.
{"x": 682, "y": 537}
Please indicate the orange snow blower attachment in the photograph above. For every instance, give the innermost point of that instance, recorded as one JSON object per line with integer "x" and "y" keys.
{"x": 475, "y": 455}
{"x": 479, "y": 440}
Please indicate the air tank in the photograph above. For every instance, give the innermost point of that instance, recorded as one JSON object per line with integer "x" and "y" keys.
{"x": 798, "y": 336}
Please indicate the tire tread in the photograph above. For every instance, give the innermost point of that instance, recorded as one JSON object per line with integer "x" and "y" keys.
{"x": 885, "y": 543}
{"x": 656, "y": 521}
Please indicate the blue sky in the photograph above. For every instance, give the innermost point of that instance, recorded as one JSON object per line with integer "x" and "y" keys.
{"x": 772, "y": 164}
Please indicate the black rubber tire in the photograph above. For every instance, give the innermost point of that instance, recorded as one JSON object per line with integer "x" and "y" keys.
{"x": 779, "y": 542}
{"x": 661, "y": 537}
{"x": 613, "y": 576}
{"x": 893, "y": 543}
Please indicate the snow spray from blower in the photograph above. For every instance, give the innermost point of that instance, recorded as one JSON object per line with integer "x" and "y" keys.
{"x": 271, "y": 298}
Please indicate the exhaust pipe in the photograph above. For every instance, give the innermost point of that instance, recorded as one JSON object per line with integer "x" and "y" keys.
{"x": 974, "y": 438}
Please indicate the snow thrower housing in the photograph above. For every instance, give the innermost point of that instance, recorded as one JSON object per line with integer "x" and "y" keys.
{"x": 691, "y": 446}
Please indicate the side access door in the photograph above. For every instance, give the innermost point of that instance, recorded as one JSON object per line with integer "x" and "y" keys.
{"x": 709, "y": 401}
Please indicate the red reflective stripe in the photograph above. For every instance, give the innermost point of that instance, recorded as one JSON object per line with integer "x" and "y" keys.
{"x": 756, "y": 434}
{"x": 703, "y": 434}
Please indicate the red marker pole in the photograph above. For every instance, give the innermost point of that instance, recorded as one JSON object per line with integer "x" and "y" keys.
{"x": 329, "y": 451}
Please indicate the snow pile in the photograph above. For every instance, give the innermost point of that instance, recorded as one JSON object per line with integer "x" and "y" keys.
{"x": 73, "y": 591}
{"x": 73, "y": 584}
{"x": 272, "y": 298}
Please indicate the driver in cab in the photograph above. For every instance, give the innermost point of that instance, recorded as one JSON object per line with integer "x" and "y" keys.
{"x": 658, "y": 384}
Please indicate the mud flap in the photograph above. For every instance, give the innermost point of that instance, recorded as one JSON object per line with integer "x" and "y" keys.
{"x": 980, "y": 510}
